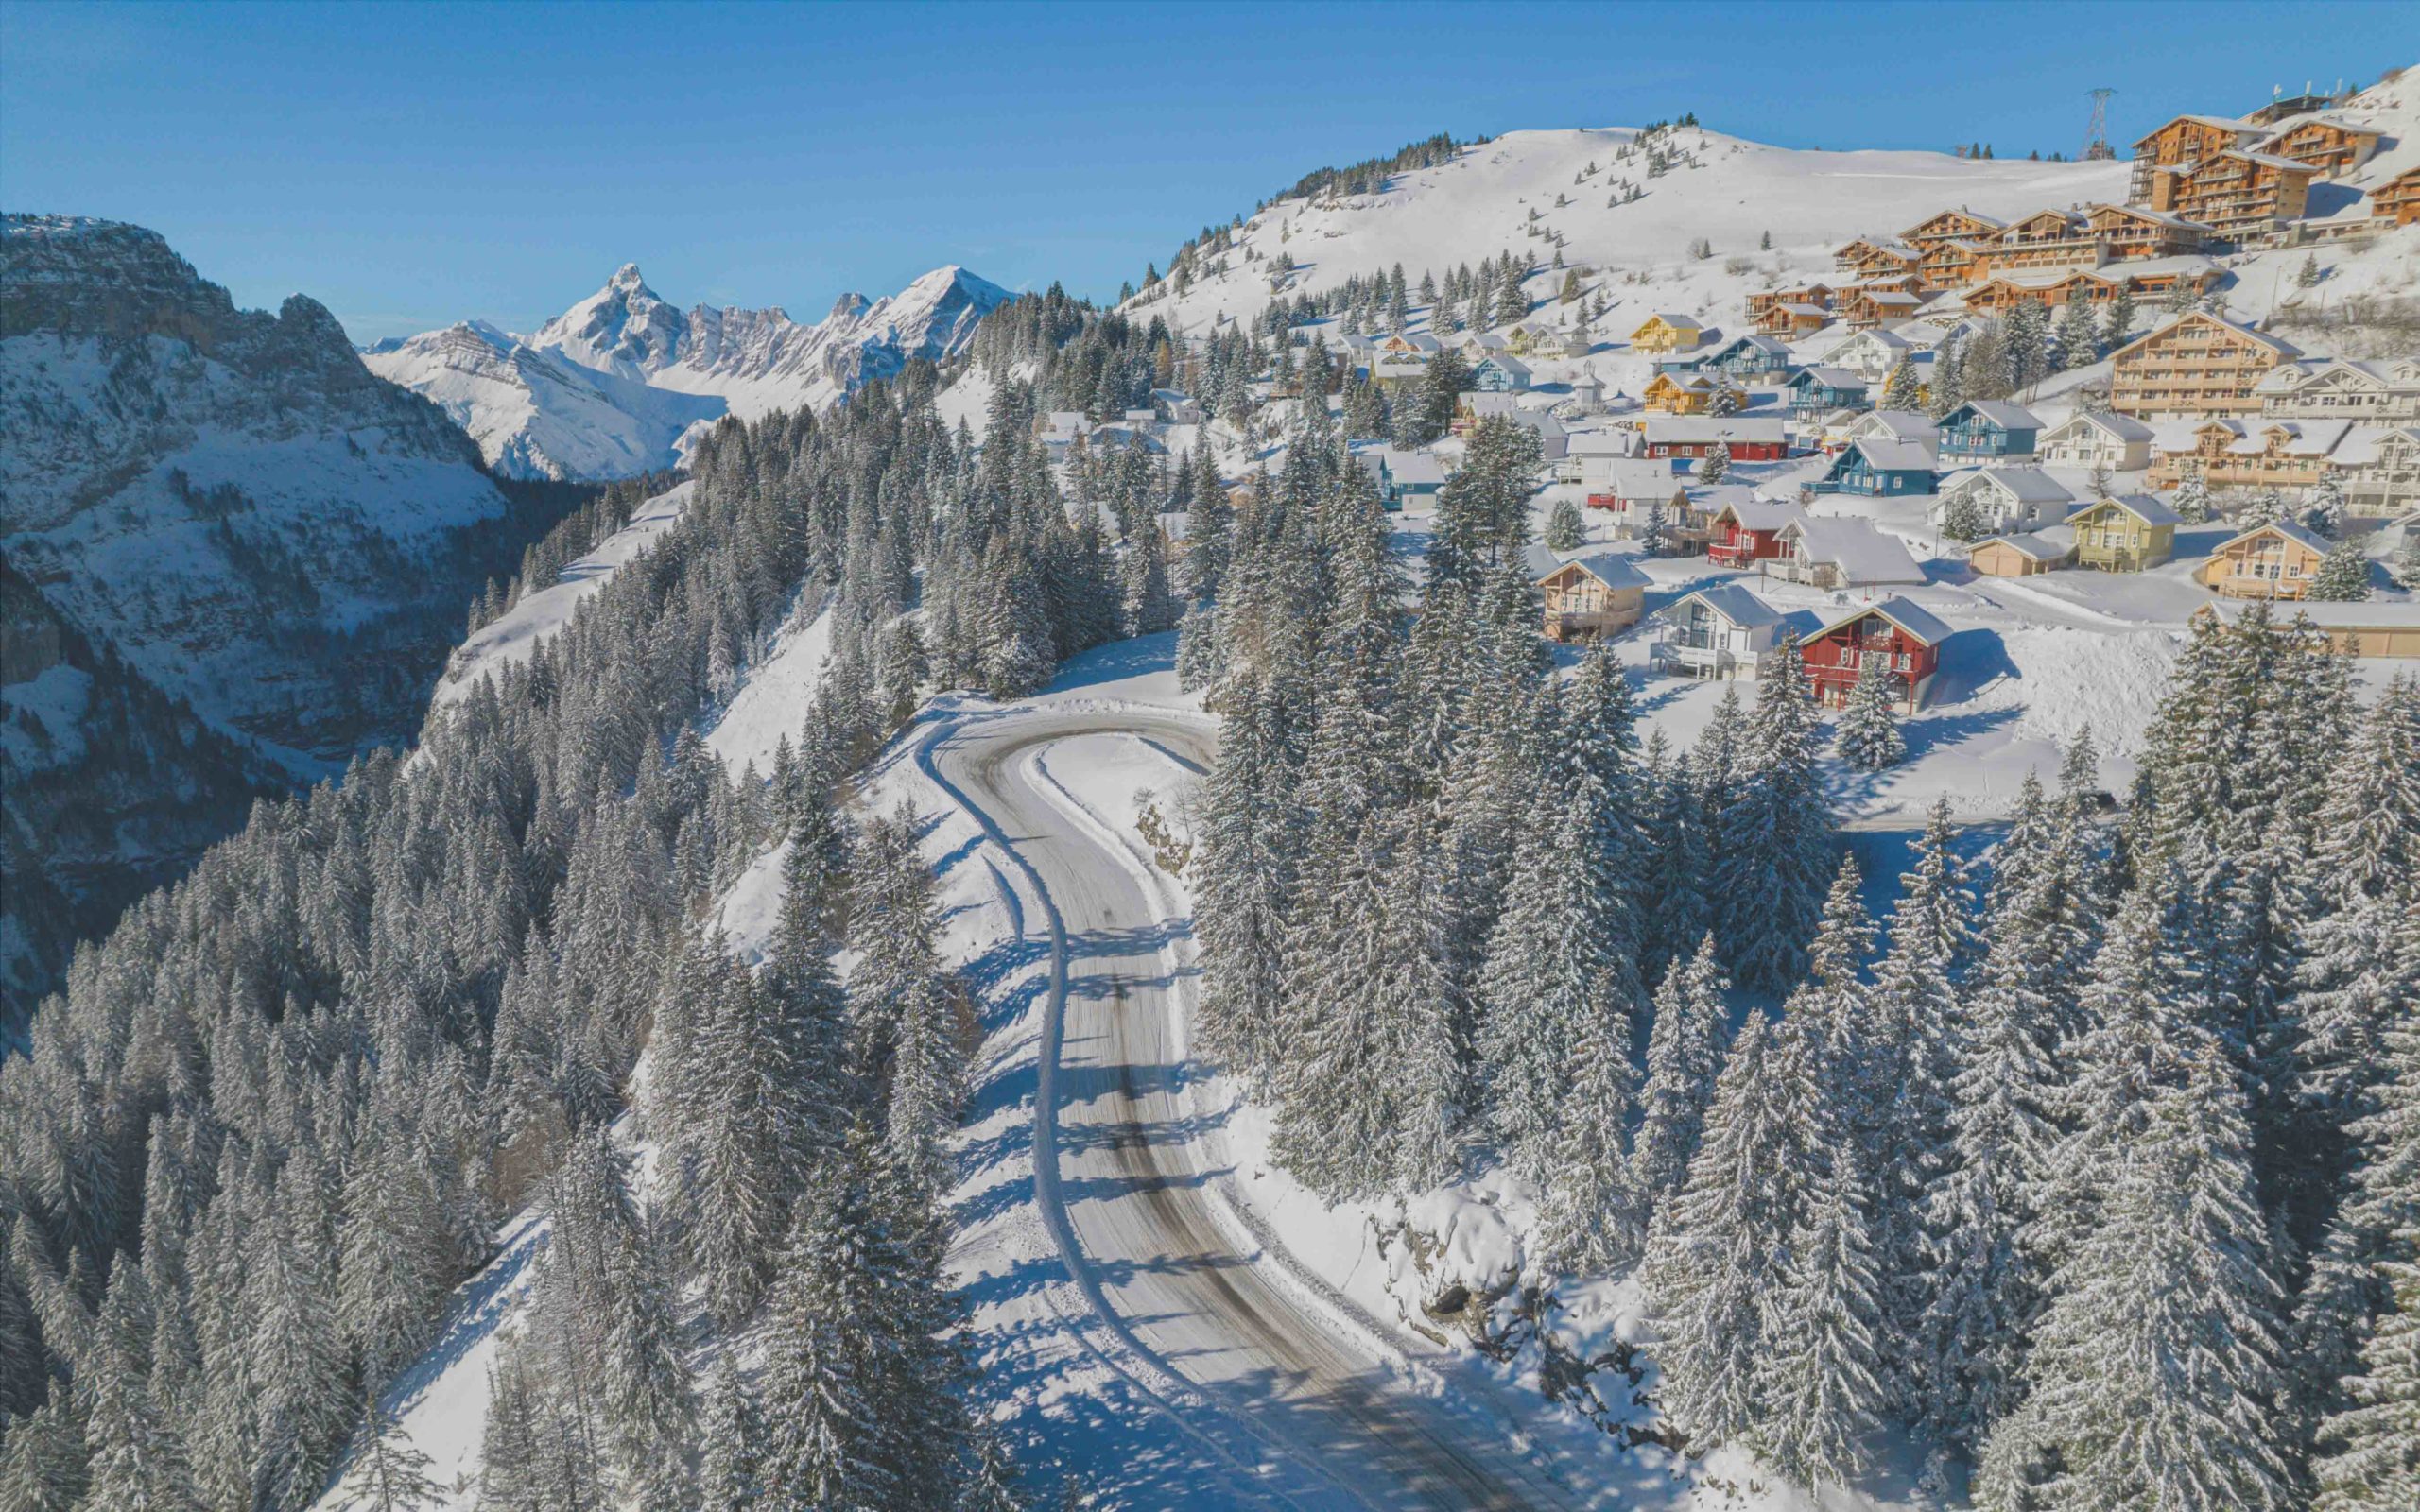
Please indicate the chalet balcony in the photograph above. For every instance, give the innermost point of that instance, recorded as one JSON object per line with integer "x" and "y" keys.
{"x": 1693, "y": 655}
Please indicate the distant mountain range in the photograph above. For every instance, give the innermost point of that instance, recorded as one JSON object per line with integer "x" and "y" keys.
{"x": 612, "y": 386}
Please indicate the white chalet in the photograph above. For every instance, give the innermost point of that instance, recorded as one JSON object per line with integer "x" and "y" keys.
{"x": 1723, "y": 631}
{"x": 2119, "y": 443}
{"x": 2007, "y": 498}
{"x": 1834, "y": 551}
{"x": 2333, "y": 388}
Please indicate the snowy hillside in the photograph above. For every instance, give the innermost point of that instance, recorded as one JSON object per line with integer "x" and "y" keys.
{"x": 1729, "y": 192}
{"x": 537, "y": 414}
{"x": 608, "y": 389}
{"x": 256, "y": 523}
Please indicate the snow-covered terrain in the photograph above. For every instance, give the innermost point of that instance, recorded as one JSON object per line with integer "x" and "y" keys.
{"x": 609, "y": 387}
{"x": 536, "y": 413}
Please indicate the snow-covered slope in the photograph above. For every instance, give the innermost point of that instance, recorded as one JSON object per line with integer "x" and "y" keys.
{"x": 537, "y": 414}
{"x": 1729, "y": 192}
{"x": 609, "y": 388}
{"x": 256, "y": 525}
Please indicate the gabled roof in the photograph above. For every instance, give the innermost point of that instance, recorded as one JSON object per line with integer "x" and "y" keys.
{"x": 1893, "y": 456}
{"x": 1503, "y": 363}
{"x": 1638, "y": 477}
{"x": 2310, "y": 540}
{"x": 2159, "y": 217}
{"x": 2270, "y": 159}
{"x": 1997, "y": 412}
{"x": 1863, "y": 555}
{"x": 1609, "y": 568}
{"x": 1734, "y": 602}
{"x": 2026, "y": 485}
{"x": 1759, "y": 514}
{"x": 1907, "y": 614}
{"x": 1678, "y": 323}
{"x": 1829, "y": 377}
{"x": 2284, "y": 347}
{"x": 1694, "y": 428}
{"x": 2224, "y": 122}
{"x": 2115, "y": 427}
{"x": 1761, "y": 343}
{"x": 2041, "y": 548}
{"x": 1900, "y": 424}
{"x": 2141, "y": 505}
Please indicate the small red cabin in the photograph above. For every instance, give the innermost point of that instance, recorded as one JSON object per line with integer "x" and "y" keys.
{"x": 1905, "y": 638}
{"x": 1749, "y": 532}
{"x": 1756, "y": 440}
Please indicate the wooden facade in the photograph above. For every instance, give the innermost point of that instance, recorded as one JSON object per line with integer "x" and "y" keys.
{"x": 1741, "y": 535}
{"x": 1670, "y": 393}
{"x": 2197, "y": 364}
{"x": 2185, "y": 141}
{"x": 2233, "y": 454}
{"x": 2021, "y": 555}
{"x": 2361, "y": 629}
{"x": 2398, "y": 198}
{"x": 1667, "y": 332}
{"x": 1895, "y": 635}
{"x": 2124, "y": 535}
{"x": 2237, "y": 194}
{"x": 2266, "y": 561}
{"x": 2132, "y": 233}
{"x": 1591, "y": 597}
{"x": 1950, "y": 226}
{"x": 2332, "y": 148}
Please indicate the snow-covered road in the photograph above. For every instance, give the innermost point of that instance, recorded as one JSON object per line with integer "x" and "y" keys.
{"x": 1279, "y": 1387}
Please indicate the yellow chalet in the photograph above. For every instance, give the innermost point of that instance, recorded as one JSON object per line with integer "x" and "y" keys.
{"x": 1686, "y": 393}
{"x": 1662, "y": 332}
{"x": 2126, "y": 534}
{"x": 2275, "y": 560}
{"x": 1588, "y": 596}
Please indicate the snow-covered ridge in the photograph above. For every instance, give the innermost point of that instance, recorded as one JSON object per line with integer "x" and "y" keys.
{"x": 612, "y": 386}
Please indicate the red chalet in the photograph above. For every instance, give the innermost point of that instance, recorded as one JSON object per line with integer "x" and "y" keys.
{"x": 1902, "y": 635}
{"x": 1751, "y": 440}
{"x": 1747, "y": 531}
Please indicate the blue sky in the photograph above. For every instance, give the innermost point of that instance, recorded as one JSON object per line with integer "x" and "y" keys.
{"x": 413, "y": 165}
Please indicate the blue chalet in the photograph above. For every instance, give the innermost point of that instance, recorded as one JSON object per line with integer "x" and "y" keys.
{"x": 1821, "y": 391}
{"x": 1750, "y": 359}
{"x": 1987, "y": 430}
{"x": 1881, "y": 468}
{"x": 1500, "y": 373}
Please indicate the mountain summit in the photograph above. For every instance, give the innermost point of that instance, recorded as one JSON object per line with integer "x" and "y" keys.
{"x": 616, "y": 384}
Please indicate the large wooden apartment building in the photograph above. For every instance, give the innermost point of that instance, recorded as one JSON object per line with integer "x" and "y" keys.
{"x": 2237, "y": 194}
{"x": 2197, "y": 364}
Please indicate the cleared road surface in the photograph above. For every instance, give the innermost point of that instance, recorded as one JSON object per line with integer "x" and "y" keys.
{"x": 1121, "y": 1175}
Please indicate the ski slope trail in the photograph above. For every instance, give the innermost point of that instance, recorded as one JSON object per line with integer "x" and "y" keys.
{"x": 1127, "y": 1159}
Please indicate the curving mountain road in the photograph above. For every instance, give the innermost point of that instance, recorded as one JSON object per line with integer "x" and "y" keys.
{"x": 1126, "y": 1155}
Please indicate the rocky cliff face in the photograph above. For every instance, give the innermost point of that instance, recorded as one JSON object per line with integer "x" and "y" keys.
{"x": 239, "y": 522}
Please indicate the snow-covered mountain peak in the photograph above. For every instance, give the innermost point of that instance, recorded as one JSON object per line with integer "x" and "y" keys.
{"x": 628, "y": 277}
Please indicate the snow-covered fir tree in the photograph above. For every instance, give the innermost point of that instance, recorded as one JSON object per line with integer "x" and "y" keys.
{"x": 1868, "y": 737}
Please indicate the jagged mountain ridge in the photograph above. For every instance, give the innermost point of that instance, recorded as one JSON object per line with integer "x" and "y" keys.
{"x": 589, "y": 393}
{"x": 240, "y": 517}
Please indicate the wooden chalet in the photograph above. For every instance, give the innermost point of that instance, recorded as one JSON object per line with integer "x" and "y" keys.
{"x": 2129, "y": 533}
{"x": 2053, "y": 289}
{"x": 1500, "y": 373}
{"x": 1892, "y": 425}
{"x": 1589, "y": 597}
{"x": 2329, "y": 147}
{"x": 1750, "y": 359}
{"x": 2003, "y": 498}
{"x": 1989, "y": 430}
{"x": 1952, "y": 226}
{"x": 1723, "y": 631}
{"x": 1744, "y": 532}
{"x": 1880, "y": 469}
{"x": 2183, "y": 141}
{"x": 2119, "y": 443}
{"x": 1820, "y": 389}
{"x": 2275, "y": 560}
{"x": 1750, "y": 439}
{"x": 2398, "y": 199}
{"x": 1624, "y": 487}
{"x": 2291, "y": 455}
{"x": 2020, "y": 555}
{"x": 1794, "y": 320}
{"x": 1665, "y": 332}
{"x": 2380, "y": 467}
{"x": 2379, "y": 628}
{"x": 2334, "y": 388}
{"x": 1839, "y": 552}
{"x": 2238, "y": 195}
{"x": 2046, "y": 238}
{"x": 1870, "y": 354}
{"x": 1902, "y": 638}
{"x": 1815, "y": 294}
{"x": 1870, "y": 306}
{"x": 1868, "y": 256}
{"x": 2136, "y": 233}
{"x": 2198, "y": 364}
{"x": 1948, "y": 264}
{"x": 1690, "y": 393}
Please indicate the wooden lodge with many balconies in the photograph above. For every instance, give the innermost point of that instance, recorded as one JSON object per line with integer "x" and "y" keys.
{"x": 2197, "y": 364}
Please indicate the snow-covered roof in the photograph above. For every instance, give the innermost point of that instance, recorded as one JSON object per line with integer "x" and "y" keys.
{"x": 2362, "y": 442}
{"x": 1610, "y": 567}
{"x": 2040, "y": 548}
{"x": 2270, "y": 159}
{"x": 1876, "y": 337}
{"x": 2146, "y": 212}
{"x": 1502, "y": 363}
{"x": 1898, "y": 425}
{"x": 2024, "y": 485}
{"x": 1885, "y": 455}
{"x": 1410, "y": 468}
{"x": 1635, "y": 478}
{"x": 1863, "y": 555}
{"x": 1690, "y": 429}
{"x": 1829, "y": 377}
{"x": 2115, "y": 427}
{"x": 1906, "y": 613}
{"x": 1759, "y": 514}
{"x": 2141, "y": 505}
{"x": 2309, "y": 539}
{"x": 2375, "y": 614}
{"x": 1998, "y": 412}
{"x": 1600, "y": 443}
{"x": 1678, "y": 323}
{"x": 1734, "y": 604}
{"x": 2277, "y": 343}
